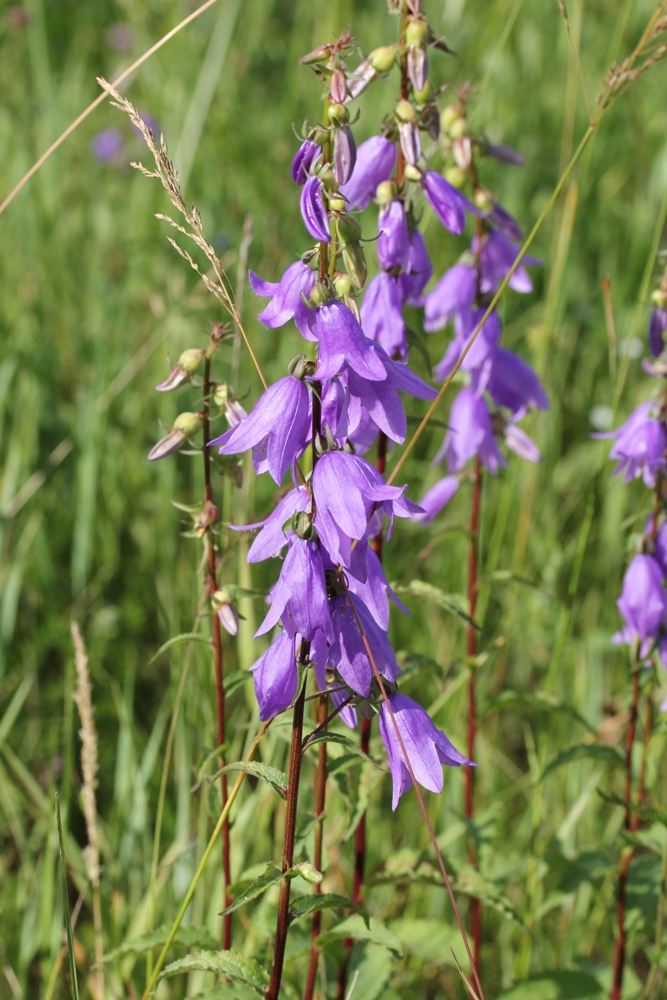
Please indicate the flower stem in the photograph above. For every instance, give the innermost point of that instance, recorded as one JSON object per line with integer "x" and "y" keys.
{"x": 320, "y": 795}
{"x": 469, "y": 773}
{"x": 217, "y": 654}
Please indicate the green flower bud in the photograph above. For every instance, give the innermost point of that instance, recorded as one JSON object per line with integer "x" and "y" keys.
{"x": 456, "y": 176}
{"x": 349, "y": 229}
{"x": 190, "y": 360}
{"x": 222, "y": 394}
{"x": 338, "y": 113}
{"x": 659, "y": 298}
{"x": 309, "y": 872}
{"x": 458, "y": 128}
{"x": 355, "y": 264}
{"x": 337, "y": 204}
{"x": 187, "y": 423}
{"x": 342, "y": 284}
{"x": 412, "y": 173}
{"x": 405, "y": 112}
{"x": 449, "y": 115}
{"x": 385, "y": 193}
{"x": 383, "y": 59}
{"x": 483, "y": 200}
{"x": 426, "y": 95}
{"x": 416, "y": 32}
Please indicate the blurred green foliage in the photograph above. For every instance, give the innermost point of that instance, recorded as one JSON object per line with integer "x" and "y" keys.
{"x": 92, "y": 299}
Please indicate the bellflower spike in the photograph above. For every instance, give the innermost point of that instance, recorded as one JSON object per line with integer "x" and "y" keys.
{"x": 447, "y": 203}
{"x": 376, "y": 159}
{"x": 427, "y": 747}
{"x": 286, "y": 302}
{"x": 643, "y": 599}
{"x": 514, "y": 384}
{"x": 394, "y": 240}
{"x": 382, "y": 314}
{"x": 300, "y": 596}
{"x": 342, "y": 342}
{"x": 303, "y": 161}
{"x": 640, "y": 445}
{"x": 280, "y": 420}
{"x": 436, "y": 498}
{"x": 348, "y": 651}
{"x": 470, "y": 433}
{"x": 275, "y": 676}
{"x": 313, "y": 212}
{"x": 656, "y": 331}
{"x": 454, "y": 294}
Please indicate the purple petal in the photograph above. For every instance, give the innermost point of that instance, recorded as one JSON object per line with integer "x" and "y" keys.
{"x": 436, "y": 498}
{"x": 345, "y": 154}
{"x": 313, "y": 212}
{"x": 394, "y": 240}
{"x": 342, "y": 342}
{"x": 454, "y": 294}
{"x": 382, "y": 315}
{"x": 656, "y": 331}
{"x": 376, "y": 159}
{"x": 275, "y": 676}
{"x": 307, "y": 154}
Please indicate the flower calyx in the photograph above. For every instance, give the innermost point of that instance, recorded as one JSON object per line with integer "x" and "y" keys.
{"x": 185, "y": 425}
{"x": 188, "y": 363}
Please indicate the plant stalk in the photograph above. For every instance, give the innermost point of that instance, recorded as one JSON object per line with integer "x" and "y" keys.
{"x": 320, "y": 797}
{"x": 469, "y": 773}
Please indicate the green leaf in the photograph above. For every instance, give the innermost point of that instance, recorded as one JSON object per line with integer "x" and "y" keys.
{"x": 277, "y": 779}
{"x": 589, "y": 866}
{"x": 555, "y": 986}
{"x": 645, "y": 812}
{"x": 595, "y": 751}
{"x": 187, "y": 937}
{"x": 374, "y": 972}
{"x": 455, "y": 604}
{"x": 176, "y": 640}
{"x": 342, "y": 741}
{"x": 74, "y": 983}
{"x": 271, "y": 875}
{"x": 540, "y": 700}
{"x": 303, "y": 906}
{"x": 355, "y": 927}
{"x": 227, "y": 963}
{"x": 231, "y": 991}
{"x": 429, "y": 940}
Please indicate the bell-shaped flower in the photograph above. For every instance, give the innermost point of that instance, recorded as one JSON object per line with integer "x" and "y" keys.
{"x": 286, "y": 301}
{"x": 505, "y": 222}
{"x": 514, "y": 384}
{"x": 375, "y": 591}
{"x": 426, "y": 746}
{"x": 342, "y": 342}
{"x": 393, "y": 243}
{"x": 656, "y": 332}
{"x": 516, "y": 439}
{"x": 470, "y": 433}
{"x": 272, "y": 538}
{"x": 303, "y": 161}
{"x": 643, "y": 601}
{"x": 640, "y": 445}
{"x": 453, "y": 295}
{"x": 300, "y": 595}
{"x": 382, "y": 314}
{"x": 496, "y": 259}
{"x": 348, "y": 652}
{"x": 418, "y": 272}
{"x": 275, "y": 676}
{"x": 436, "y": 498}
{"x": 448, "y": 204}
{"x": 278, "y": 427}
{"x": 480, "y": 357}
{"x": 313, "y": 212}
{"x": 376, "y": 159}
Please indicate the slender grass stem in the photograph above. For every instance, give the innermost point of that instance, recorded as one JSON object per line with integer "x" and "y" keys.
{"x": 319, "y": 802}
{"x": 475, "y": 904}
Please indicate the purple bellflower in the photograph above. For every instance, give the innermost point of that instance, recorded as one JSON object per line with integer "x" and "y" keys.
{"x": 381, "y": 401}
{"x": 514, "y": 384}
{"x": 643, "y": 601}
{"x": 342, "y": 342}
{"x": 480, "y": 356}
{"x": 382, "y": 314}
{"x": 455, "y": 293}
{"x": 286, "y": 302}
{"x": 375, "y": 591}
{"x": 277, "y": 426}
{"x": 393, "y": 240}
{"x": 640, "y": 445}
{"x": 301, "y": 164}
{"x": 427, "y": 747}
{"x": 448, "y": 204}
{"x": 348, "y": 652}
{"x": 497, "y": 257}
{"x": 271, "y": 540}
{"x": 656, "y": 331}
{"x": 419, "y": 270}
{"x": 275, "y": 676}
{"x": 376, "y": 159}
{"x": 300, "y": 596}
{"x": 314, "y": 214}
{"x": 108, "y": 145}
{"x": 470, "y": 433}
{"x": 436, "y": 498}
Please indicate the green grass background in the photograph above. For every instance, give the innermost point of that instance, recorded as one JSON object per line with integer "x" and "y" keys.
{"x": 93, "y": 299}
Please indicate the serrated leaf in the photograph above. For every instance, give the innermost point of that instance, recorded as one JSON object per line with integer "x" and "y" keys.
{"x": 187, "y": 937}
{"x": 535, "y": 699}
{"x": 277, "y": 779}
{"x": 177, "y": 639}
{"x": 303, "y": 906}
{"x": 556, "y": 985}
{"x": 271, "y": 875}
{"x": 594, "y": 751}
{"x": 227, "y": 963}
{"x": 354, "y": 927}
{"x": 455, "y": 604}
{"x": 342, "y": 741}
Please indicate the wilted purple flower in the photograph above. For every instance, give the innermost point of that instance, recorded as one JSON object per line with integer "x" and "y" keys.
{"x": 348, "y": 652}
{"x": 480, "y": 357}
{"x": 656, "y": 331}
{"x": 640, "y": 445}
{"x": 427, "y": 747}
{"x": 470, "y": 433}
{"x": 300, "y": 595}
{"x": 382, "y": 317}
{"x": 504, "y": 154}
{"x": 419, "y": 270}
{"x": 376, "y": 159}
{"x": 394, "y": 240}
{"x": 107, "y": 146}
{"x": 345, "y": 154}
{"x": 417, "y": 66}
{"x": 275, "y": 676}
{"x": 643, "y": 600}
{"x": 514, "y": 384}
{"x": 411, "y": 142}
{"x": 306, "y": 155}
{"x": 454, "y": 294}
{"x": 272, "y": 539}
{"x": 313, "y": 212}
{"x": 281, "y": 417}
{"x": 342, "y": 342}
{"x": 436, "y": 498}
{"x": 359, "y": 80}
{"x": 448, "y": 204}
{"x": 496, "y": 259}
{"x": 286, "y": 302}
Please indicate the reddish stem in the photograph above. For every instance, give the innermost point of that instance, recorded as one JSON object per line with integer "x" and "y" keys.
{"x": 626, "y": 857}
{"x": 217, "y": 653}
{"x": 475, "y": 904}
{"x": 320, "y": 795}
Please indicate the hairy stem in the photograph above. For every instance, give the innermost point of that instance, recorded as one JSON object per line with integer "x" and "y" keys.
{"x": 469, "y": 773}
{"x": 217, "y": 655}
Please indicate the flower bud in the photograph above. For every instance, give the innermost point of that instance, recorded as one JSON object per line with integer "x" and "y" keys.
{"x": 229, "y": 618}
{"x": 483, "y": 200}
{"x": 309, "y": 872}
{"x": 449, "y": 115}
{"x": 412, "y": 173}
{"x": 425, "y": 95}
{"x": 385, "y": 193}
{"x": 338, "y": 87}
{"x": 187, "y": 423}
{"x": 339, "y": 114}
{"x": 184, "y": 425}
{"x": 319, "y": 294}
{"x": 190, "y": 360}
{"x": 405, "y": 112}
{"x": 337, "y": 204}
{"x": 349, "y": 229}
{"x": 383, "y": 58}
{"x": 345, "y": 153}
{"x": 355, "y": 264}
{"x": 458, "y": 128}
{"x": 177, "y": 377}
{"x": 300, "y": 367}
{"x": 456, "y": 176}
{"x": 342, "y": 284}
{"x": 416, "y": 32}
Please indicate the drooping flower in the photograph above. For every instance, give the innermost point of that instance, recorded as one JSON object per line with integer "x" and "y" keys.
{"x": 448, "y": 204}
{"x": 514, "y": 384}
{"x": 454, "y": 294}
{"x": 275, "y": 676}
{"x": 375, "y": 590}
{"x": 496, "y": 259}
{"x": 342, "y": 342}
{"x": 418, "y": 272}
{"x": 348, "y": 652}
{"x": 272, "y": 538}
{"x": 278, "y": 426}
{"x": 427, "y": 747}
{"x": 375, "y": 163}
{"x": 314, "y": 214}
{"x": 470, "y": 433}
{"x": 480, "y": 357}
{"x": 300, "y": 595}
{"x": 640, "y": 445}
{"x": 643, "y": 600}
{"x": 436, "y": 498}
{"x": 306, "y": 155}
{"x": 286, "y": 301}
{"x": 393, "y": 243}
{"x": 382, "y": 317}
